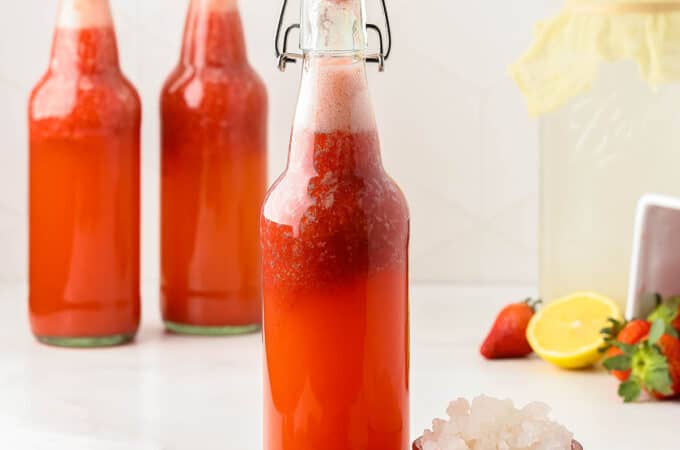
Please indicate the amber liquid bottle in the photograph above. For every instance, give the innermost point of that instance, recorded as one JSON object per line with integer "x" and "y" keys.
{"x": 84, "y": 126}
{"x": 335, "y": 232}
{"x": 214, "y": 177}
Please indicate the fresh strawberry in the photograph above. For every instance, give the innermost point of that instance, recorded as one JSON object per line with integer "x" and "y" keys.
{"x": 654, "y": 363}
{"x": 669, "y": 312}
{"x": 507, "y": 338}
{"x": 625, "y": 333}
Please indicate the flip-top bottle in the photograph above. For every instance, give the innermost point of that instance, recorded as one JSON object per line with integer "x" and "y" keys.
{"x": 334, "y": 233}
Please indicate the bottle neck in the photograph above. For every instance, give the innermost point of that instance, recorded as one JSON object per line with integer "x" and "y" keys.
{"x": 213, "y": 34}
{"x": 334, "y": 120}
{"x": 334, "y": 89}
{"x": 333, "y": 26}
{"x": 84, "y": 38}
{"x": 334, "y": 94}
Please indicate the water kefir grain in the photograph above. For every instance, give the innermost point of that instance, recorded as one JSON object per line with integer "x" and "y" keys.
{"x": 335, "y": 238}
{"x": 214, "y": 174}
{"x": 84, "y": 183}
{"x": 491, "y": 423}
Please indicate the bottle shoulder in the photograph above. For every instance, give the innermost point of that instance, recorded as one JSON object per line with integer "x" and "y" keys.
{"x": 95, "y": 99}
{"x": 342, "y": 164}
{"x": 220, "y": 81}
{"x": 217, "y": 92}
{"x": 299, "y": 194}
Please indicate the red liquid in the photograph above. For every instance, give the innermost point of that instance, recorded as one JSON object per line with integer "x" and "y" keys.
{"x": 214, "y": 177}
{"x": 335, "y": 241}
{"x": 84, "y": 191}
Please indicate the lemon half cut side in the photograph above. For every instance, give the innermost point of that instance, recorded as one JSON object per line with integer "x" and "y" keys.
{"x": 566, "y": 332}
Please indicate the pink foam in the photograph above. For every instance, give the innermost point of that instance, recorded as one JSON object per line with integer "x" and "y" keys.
{"x": 84, "y": 14}
{"x": 334, "y": 96}
{"x": 216, "y": 5}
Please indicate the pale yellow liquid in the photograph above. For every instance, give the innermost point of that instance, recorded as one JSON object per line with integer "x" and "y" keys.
{"x": 599, "y": 154}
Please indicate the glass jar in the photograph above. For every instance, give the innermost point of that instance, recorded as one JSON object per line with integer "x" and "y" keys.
{"x": 214, "y": 177}
{"x": 334, "y": 233}
{"x": 603, "y": 77}
{"x": 84, "y": 187}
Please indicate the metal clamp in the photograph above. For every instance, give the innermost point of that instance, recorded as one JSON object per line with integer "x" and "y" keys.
{"x": 284, "y": 57}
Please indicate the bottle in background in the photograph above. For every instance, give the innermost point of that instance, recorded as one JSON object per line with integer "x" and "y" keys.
{"x": 84, "y": 121}
{"x": 214, "y": 176}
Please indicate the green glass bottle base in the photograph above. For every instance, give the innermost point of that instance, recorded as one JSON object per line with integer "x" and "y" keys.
{"x": 87, "y": 342}
{"x": 197, "y": 330}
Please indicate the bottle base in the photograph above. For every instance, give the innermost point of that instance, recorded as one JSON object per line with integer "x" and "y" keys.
{"x": 198, "y": 330}
{"x": 87, "y": 342}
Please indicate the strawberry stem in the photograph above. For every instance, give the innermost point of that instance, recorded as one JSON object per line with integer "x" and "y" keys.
{"x": 533, "y": 303}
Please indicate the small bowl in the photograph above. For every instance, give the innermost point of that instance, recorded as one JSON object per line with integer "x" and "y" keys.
{"x": 574, "y": 445}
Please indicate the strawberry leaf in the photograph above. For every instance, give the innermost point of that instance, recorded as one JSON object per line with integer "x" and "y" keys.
{"x": 650, "y": 368}
{"x": 630, "y": 390}
{"x": 610, "y": 333}
{"x": 667, "y": 312}
{"x": 657, "y": 377}
{"x": 613, "y": 321}
{"x": 619, "y": 362}
{"x": 627, "y": 349}
{"x": 664, "y": 312}
{"x": 659, "y": 381}
{"x": 657, "y": 330}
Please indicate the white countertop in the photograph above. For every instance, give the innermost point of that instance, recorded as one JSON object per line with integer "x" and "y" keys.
{"x": 172, "y": 392}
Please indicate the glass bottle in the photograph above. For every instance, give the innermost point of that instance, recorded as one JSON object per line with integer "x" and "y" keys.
{"x": 334, "y": 232}
{"x": 84, "y": 120}
{"x": 214, "y": 177}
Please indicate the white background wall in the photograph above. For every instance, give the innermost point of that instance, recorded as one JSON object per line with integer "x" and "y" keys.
{"x": 454, "y": 131}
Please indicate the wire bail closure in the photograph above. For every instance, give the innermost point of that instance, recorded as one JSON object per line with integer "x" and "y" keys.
{"x": 284, "y": 57}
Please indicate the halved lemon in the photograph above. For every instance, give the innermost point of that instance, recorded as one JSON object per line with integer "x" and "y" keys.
{"x": 566, "y": 332}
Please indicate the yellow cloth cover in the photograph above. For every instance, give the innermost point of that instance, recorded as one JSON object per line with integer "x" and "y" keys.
{"x": 563, "y": 61}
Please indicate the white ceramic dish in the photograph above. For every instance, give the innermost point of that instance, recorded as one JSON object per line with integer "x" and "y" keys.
{"x": 655, "y": 262}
